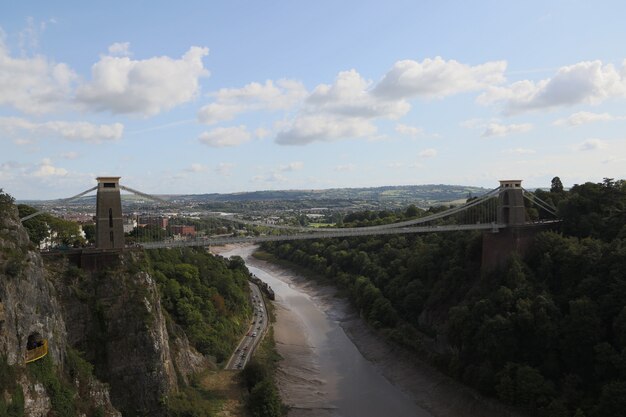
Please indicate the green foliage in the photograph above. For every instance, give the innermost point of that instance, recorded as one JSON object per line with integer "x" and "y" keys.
{"x": 264, "y": 400}
{"x": 190, "y": 402}
{"x": 523, "y": 386}
{"x": 15, "y": 263}
{"x": 61, "y": 393}
{"x": 6, "y": 202}
{"x": 258, "y": 378}
{"x": 61, "y": 232}
{"x": 546, "y": 333}
{"x": 595, "y": 210}
{"x": 90, "y": 232}
{"x": 556, "y": 185}
{"x": 254, "y": 372}
{"x": 206, "y": 295}
{"x": 13, "y": 406}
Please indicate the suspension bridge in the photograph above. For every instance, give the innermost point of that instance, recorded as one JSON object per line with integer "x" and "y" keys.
{"x": 504, "y": 207}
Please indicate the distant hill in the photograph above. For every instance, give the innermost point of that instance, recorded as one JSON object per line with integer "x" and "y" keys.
{"x": 388, "y": 197}
{"x": 401, "y": 193}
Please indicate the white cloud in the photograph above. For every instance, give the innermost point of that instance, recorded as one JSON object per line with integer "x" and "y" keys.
{"x": 273, "y": 177}
{"x": 46, "y": 169}
{"x": 70, "y": 155}
{"x": 349, "y": 96}
{"x": 230, "y": 102}
{"x": 347, "y": 108}
{"x": 225, "y": 136}
{"x": 584, "y": 117}
{"x": 321, "y": 127}
{"x": 496, "y": 129}
{"x": 345, "y": 168}
{"x": 23, "y": 141}
{"x": 428, "y": 153}
{"x": 33, "y": 85}
{"x": 588, "y": 82}
{"x": 196, "y": 167}
{"x": 73, "y": 131}
{"x": 591, "y": 145}
{"x": 437, "y": 78}
{"x": 120, "y": 49}
{"x": 473, "y": 123}
{"x": 261, "y": 133}
{"x": 292, "y": 166}
{"x": 520, "y": 151}
{"x": 146, "y": 87}
{"x": 613, "y": 159}
{"x": 224, "y": 168}
{"x": 409, "y": 130}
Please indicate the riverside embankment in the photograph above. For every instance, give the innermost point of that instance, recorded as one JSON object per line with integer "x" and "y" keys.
{"x": 334, "y": 365}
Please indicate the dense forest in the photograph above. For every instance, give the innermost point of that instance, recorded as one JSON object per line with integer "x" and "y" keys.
{"x": 546, "y": 333}
{"x": 206, "y": 295}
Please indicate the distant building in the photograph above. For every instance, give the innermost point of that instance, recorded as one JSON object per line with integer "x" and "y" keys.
{"x": 160, "y": 221}
{"x": 129, "y": 224}
{"x": 181, "y": 230}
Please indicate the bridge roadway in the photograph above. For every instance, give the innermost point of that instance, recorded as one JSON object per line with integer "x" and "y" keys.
{"x": 322, "y": 235}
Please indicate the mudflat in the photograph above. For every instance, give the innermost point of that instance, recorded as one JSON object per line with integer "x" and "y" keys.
{"x": 334, "y": 364}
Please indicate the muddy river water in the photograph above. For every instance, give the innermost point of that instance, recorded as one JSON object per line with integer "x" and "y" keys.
{"x": 322, "y": 372}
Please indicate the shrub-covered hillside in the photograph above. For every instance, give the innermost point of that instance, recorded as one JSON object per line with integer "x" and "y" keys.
{"x": 546, "y": 333}
{"x": 206, "y": 295}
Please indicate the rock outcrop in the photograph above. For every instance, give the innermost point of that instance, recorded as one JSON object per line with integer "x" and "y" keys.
{"x": 29, "y": 306}
{"x": 109, "y": 314}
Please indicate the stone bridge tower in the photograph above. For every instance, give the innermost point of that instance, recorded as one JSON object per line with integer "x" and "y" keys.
{"x": 109, "y": 221}
{"x": 511, "y": 210}
{"x": 517, "y": 237}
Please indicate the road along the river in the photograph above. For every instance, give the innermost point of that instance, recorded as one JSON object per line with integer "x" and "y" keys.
{"x": 253, "y": 336}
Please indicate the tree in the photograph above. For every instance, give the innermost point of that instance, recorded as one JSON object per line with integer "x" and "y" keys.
{"x": 557, "y": 185}
{"x": 254, "y": 373}
{"x": 36, "y": 227}
{"x": 90, "y": 232}
{"x": 264, "y": 400}
{"x": 612, "y": 400}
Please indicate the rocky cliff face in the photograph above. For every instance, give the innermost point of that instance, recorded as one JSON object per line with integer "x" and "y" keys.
{"x": 114, "y": 316}
{"x": 111, "y": 314}
{"x": 28, "y": 306}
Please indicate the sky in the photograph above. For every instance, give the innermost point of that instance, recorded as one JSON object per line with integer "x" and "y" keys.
{"x": 232, "y": 96}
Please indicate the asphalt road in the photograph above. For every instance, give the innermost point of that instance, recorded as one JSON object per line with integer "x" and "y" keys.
{"x": 253, "y": 336}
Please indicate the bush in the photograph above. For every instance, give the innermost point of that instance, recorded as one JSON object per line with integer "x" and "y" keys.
{"x": 264, "y": 400}
{"x": 8, "y": 386}
{"x": 60, "y": 392}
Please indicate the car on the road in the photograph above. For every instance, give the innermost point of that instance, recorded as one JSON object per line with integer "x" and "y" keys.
{"x": 253, "y": 334}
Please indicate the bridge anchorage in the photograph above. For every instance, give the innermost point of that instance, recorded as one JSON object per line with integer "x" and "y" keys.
{"x": 504, "y": 210}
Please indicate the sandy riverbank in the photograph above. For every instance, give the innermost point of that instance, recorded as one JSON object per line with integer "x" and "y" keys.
{"x": 427, "y": 387}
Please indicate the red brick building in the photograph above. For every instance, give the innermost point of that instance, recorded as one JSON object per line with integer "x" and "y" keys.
{"x": 179, "y": 229}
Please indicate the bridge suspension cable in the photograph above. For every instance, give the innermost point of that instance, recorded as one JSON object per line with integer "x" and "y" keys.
{"x": 60, "y": 201}
{"x": 436, "y": 216}
{"x": 543, "y": 204}
{"x": 149, "y": 196}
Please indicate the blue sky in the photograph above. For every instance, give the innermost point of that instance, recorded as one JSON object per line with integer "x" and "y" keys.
{"x": 201, "y": 97}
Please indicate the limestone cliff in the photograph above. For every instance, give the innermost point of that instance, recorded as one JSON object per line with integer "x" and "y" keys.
{"x": 105, "y": 328}
{"x": 29, "y": 306}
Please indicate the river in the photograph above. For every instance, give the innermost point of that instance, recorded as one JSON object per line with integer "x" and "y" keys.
{"x": 322, "y": 372}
